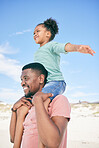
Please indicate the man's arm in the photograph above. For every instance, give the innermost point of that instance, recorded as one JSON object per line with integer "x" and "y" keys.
{"x": 12, "y": 126}
{"x": 79, "y": 48}
{"x": 50, "y": 130}
{"x": 21, "y": 114}
{"x": 13, "y": 121}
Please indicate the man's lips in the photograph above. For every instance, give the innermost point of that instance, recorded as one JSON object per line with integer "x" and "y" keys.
{"x": 25, "y": 88}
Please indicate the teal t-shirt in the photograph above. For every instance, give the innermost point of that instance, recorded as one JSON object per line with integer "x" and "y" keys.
{"x": 49, "y": 56}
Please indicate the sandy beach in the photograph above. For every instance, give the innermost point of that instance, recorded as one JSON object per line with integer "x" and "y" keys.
{"x": 83, "y": 128}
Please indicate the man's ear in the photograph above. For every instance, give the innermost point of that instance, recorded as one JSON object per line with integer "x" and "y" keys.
{"x": 42, "y": 78}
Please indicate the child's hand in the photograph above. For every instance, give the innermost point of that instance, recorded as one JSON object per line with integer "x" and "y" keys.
{"x": 85, "y": 49}
{"x": 79, "y": 48}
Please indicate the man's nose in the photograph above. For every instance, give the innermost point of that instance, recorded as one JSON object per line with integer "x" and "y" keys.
{"x": 23, "y": 83}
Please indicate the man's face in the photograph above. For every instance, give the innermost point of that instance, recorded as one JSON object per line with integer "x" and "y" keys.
{"x": 30, "y": 82}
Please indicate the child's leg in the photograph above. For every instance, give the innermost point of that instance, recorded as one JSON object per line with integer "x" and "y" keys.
{"x": 54, "y": 87}
{"x": 21, "y": 113}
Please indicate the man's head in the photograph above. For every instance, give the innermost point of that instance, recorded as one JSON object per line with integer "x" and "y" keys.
{"x": 33, "y": 78}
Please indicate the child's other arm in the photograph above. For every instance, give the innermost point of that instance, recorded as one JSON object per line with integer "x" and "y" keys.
{"x": 79, "y": 48}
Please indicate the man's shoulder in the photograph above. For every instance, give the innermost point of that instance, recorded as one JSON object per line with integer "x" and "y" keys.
{"x": 60, "y": 106}
{"x": 61, "y": 100}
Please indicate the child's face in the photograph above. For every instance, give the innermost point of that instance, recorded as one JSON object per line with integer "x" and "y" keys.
{"x": 41, "y": 35}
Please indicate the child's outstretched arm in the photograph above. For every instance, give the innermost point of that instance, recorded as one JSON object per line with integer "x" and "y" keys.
{"x": 79, "y": 48}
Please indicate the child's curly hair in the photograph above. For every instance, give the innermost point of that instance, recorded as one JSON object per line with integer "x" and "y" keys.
{"x": 51, "y": 25}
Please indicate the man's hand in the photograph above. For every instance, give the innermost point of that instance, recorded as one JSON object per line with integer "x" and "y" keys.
{"x": 21, "y": 102}
{"x": 40, "y": 96}
{"x": 46, "y": 104}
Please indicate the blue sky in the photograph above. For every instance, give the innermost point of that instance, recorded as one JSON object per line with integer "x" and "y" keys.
{"x": 78, "y": 22}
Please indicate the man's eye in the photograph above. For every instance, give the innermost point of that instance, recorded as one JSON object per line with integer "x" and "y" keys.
{"x": 25, "y": 78}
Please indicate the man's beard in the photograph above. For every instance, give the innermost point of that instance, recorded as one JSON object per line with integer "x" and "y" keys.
{"x": 29, "y": 95}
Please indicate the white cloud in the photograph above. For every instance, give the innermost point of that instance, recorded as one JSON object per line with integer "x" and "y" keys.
{"x": 82, "y": 94}
{"x": 76, "y": 93}
{"x": 7, "y": 49}
{"x": 21, "y": 32}
{"x": 27, "y": 30}
{"x": 9, "y": 67}
{"x": 71, "y": 88}
{"x": 10, "y": 95}
{"x": 75, "y": 71}
{"x": 63, "y": 62}
{"x": 74, "y": 97}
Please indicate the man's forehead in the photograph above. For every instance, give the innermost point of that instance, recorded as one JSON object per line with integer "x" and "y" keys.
{"x": 26, "y": 72}
{"x": 29, "y": 71}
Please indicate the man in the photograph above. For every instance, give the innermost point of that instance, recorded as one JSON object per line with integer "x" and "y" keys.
{"x": 45, "y": 122}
